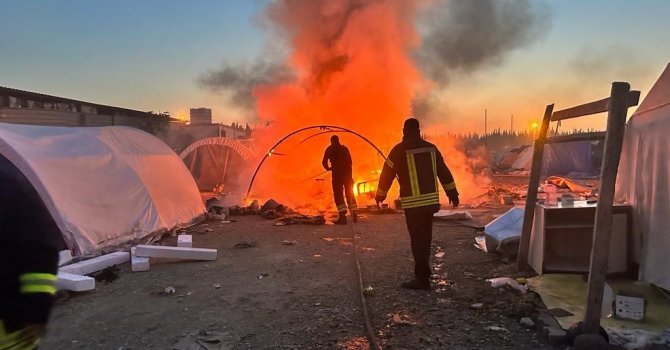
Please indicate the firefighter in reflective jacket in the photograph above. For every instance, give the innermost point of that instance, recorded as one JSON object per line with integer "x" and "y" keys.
{"x": 418, "y": 165}
{"x": 343, "y": 183}
{"x": 29, "y": 245}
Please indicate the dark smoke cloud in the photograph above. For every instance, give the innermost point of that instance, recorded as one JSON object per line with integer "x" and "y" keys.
{"x": 241, "y": 79}
{"x": 462, "y": 37}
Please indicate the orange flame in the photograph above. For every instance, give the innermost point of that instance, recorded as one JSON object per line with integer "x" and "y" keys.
{"x": 353, "y": 66}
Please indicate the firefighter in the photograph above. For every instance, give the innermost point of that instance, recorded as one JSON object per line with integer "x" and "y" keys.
{"x": 343, "y": 182}
{"x": 29, "y": 245}
{"x": 418, "y": 165}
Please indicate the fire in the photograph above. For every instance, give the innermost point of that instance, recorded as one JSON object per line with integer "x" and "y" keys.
{"x": 353, "y": 64}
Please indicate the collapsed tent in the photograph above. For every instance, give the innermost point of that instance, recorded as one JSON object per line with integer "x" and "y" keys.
{"x": 559, "y": 159}
{"x": 103, "y": 186}
{"x": 644, "y": 179}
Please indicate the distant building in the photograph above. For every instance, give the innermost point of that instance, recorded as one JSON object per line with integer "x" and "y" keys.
{"x": 201, "y": 116}
{"x": 25, "y": 107}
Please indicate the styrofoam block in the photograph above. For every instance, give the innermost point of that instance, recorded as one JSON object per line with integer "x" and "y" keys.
{"x": 155, "y": 251}
{"x": 138, "y": 263}
{"x": 96, "y": 264}
{"x": 75, "y": 283}
{"x": 64, "y": 257}
{"x": 185, "y": 241}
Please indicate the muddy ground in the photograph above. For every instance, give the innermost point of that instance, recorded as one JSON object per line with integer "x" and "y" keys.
{"x": 303, "y": 296}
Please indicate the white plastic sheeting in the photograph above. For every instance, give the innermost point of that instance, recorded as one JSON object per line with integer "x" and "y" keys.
{"x": 506, "y": 226}
{"x": 644, "y": 180}
{"x": 103, "y": 186}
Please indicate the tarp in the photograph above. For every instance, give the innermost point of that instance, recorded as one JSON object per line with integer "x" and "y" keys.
{"x": 103, "y": 186}
{"x": 644, "y": 180}
{"x": 559, "y": 158}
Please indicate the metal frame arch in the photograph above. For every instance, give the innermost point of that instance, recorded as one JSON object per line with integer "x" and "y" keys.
{"x": 326, "y": 129}
{"x": 235, "y": 145}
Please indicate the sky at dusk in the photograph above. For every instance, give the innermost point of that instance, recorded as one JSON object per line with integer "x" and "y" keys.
{"x": 149, "y": 55}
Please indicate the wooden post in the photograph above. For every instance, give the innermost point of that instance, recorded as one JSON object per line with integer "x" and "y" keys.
{"x": 616, "y": 123}
{"x": 533, "y": 183}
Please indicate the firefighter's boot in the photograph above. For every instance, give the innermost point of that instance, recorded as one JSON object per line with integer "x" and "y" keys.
{"x": 342, "y": 220}
{"x": 354, "y": 216}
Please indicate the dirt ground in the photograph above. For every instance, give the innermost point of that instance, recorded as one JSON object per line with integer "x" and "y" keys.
{"x": 303, "y": 296}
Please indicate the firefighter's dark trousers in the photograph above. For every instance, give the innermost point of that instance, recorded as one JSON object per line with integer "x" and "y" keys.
{"x": 342, "y": 188}
{"x": 420, "y": 226}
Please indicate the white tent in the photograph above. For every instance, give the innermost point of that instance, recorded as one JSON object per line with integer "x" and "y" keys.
{"x": 644, "y": 180}
{"x": 103, "y": 186}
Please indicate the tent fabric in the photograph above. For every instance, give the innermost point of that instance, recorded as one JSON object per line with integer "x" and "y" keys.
{"x": 103, "y": 186}
{"x": 559, "y": 158}
{"x": 644, "y": 178}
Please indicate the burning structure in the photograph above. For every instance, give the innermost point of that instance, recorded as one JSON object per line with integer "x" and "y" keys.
{"x": 365, "y": 65}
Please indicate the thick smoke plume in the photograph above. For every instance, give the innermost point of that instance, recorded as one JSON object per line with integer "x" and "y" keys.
{"x": 462, "y": 37}
{"x": 359, "y": 64}
{"x": 240, "y": 80}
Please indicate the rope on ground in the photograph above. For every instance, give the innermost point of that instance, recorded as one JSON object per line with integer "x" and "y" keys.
{"x": 361, "y": 290}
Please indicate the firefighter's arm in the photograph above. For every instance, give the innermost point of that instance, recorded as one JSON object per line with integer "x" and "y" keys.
{"x": 447, "y": 180}
{"x": 326, "y": 157}
{"x": 386, "y": 177}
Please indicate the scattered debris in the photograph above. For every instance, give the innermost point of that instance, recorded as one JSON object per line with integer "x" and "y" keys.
{"x": 285, "y": 242}
{"x": 496, "y": 329}
{"x": 477, "y": 306}
{"x": 506, "y": 281}
{"x": 262, "y": 275}
{"x": 299, "y": 219}
{"x": 368, "y": 290}
{"x": 217, "y": 286}
{"x": 452, "y": 215}
{"x": 245, "y": 244}
{"x": 109, "y": 274}
{"x": 527, "y": 322}
{"x": 170, "y": 290}
{"x": 507, "y": 226}
{"x": 403, "y": 320}
{"x": 439, "y": 255}
{"x": 206, "y": 340}
{"x": 557, "y": 312}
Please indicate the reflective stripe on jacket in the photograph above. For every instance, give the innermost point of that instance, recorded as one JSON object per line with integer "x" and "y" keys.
{"x": 420, "y": 169}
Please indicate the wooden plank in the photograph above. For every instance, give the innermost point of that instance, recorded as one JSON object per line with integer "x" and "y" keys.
{"x": 531, "y": 197}
{"x": 155, "y": 251}
{"x": 616, "y": 123}
{"x": 590, "y": 136}
{"x": 594, "y": 107}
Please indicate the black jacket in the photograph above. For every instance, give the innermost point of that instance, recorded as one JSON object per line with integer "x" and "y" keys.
{"x": 29, "y": 245}
{"x": 340, "y": 162}
{"x": 418, "y": 165}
